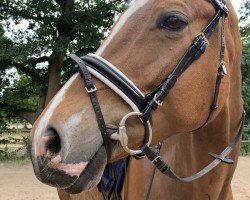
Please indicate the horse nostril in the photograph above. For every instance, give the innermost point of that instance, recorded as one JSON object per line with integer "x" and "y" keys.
{"x": 54, "y": 144}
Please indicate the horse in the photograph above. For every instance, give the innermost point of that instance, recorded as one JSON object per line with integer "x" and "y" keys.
{"x": 69, "y": 143}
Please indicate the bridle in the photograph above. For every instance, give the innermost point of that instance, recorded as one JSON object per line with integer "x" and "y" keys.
{"x": 145, "y": 105}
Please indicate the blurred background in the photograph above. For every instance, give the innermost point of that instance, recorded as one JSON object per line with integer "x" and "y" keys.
{"x": 36, "y": 38}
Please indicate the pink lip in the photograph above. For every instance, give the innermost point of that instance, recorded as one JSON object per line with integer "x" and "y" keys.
{"x": 69, "y": 169}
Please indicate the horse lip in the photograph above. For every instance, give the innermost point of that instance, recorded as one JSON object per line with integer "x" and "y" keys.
{"x": 89, "y": 178}
{"x": 73, "y": 170}
{"x": 52, "y": 176}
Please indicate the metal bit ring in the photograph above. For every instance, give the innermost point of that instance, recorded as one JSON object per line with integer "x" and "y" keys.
{"x": 122, "y": 136}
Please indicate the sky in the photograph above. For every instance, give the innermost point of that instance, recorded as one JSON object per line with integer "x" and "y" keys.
{"x": 236, "y": 4}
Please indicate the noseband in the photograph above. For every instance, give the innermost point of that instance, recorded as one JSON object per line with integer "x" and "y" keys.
{"x": 145, "y": 105}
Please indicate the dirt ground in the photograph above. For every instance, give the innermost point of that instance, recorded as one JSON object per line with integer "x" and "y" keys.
{"x": 17, "y": 182}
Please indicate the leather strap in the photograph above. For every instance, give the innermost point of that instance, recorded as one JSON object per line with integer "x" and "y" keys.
{"x": 194, "y": 52}
{"x": 221, "y": 5}
{"x": 91, "y": 89}
{"x": 157, "y": 151}
{"x": 101, "y": 188}
{"x": 115, "y": 78}
{"x": 165, "y": 168}
{"x": 222, "y": 71}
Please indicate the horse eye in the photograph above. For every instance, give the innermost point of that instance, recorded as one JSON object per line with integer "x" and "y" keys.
{"x": 174, "y": 23}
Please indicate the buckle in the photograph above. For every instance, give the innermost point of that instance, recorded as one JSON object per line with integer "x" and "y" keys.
{"x": 222, "y": 6}
{"x": 91, "y": 90}
{"x": 158, "y": 102}
{"x": 122, "y": 136}
{"x": 223, "y": 69}
{"x": 199, "y": 46}
{"x": 139, "y": 156}
{"x": 221, "y": 158}
{"x": 156, "y": 159}
{"x": 214, "y": 107}
{"x": 203, "y": 37}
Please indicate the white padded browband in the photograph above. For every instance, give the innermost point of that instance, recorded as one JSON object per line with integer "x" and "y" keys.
{"x": 118, "y": 71}
{"x": 114, "y": 88}
{"x": 111, "y": 85}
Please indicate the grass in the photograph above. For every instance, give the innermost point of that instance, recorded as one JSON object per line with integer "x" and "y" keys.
{"x": 13, "y": 147}
{"x": 245, "y": 148}
{"x": 13, "y": 157}
{"x": 14, "y": 132}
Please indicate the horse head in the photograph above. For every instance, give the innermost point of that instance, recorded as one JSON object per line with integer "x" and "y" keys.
{"x": 146, "y": 44}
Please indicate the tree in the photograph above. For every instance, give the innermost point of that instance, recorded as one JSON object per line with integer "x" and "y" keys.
{"x": 38, "y": 52}
{"x": 245, "y": 32}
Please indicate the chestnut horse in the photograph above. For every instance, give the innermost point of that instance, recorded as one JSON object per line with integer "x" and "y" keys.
{"x": 146, "y": 44}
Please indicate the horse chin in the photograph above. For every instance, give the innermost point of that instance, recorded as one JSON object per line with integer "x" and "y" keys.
{"x": 91, "y": 175}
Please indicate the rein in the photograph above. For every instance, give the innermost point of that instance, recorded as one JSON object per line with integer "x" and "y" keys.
{"x": 145, "y": 105}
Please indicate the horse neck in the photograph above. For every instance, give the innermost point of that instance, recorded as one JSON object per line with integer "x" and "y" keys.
{"x": 188, "y": 153}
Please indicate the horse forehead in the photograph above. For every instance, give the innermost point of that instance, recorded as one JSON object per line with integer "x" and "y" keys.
{"x": 137, "y": 6}
{"x": 125, "y": 17}
{"x": 167, "y": 3}
{"x": 197, "y": 7}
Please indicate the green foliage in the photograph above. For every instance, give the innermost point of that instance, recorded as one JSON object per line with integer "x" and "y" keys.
{"x": 35, "y": 38}
{"x": 22, "y": 95}
{"x": 245, "y": 148}
{"x": 20, "y": 153}
{"x": 12, "y": 140}
{"x": 246, "y": 93}
{"x": 245, "y": 32}
{"x": 6, "y": 155}
{"x": 85, "y": 23}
